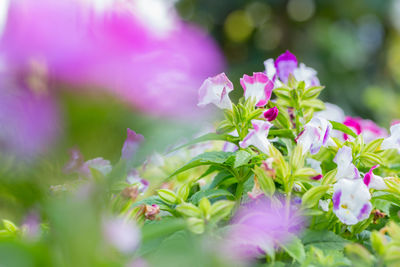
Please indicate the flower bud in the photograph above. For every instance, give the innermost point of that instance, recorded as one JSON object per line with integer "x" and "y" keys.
{"x": 151, "y": 211}
{"x": 271, "y": 114}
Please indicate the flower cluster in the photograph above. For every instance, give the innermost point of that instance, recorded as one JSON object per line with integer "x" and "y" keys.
{"x": 281, "y": 172}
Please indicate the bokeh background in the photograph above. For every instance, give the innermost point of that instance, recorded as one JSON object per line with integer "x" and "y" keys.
{"x": 354, "y": 46}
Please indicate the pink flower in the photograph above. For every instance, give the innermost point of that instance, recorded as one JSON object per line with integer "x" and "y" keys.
{"x": 260, "y": 226}
{"x": 374, "y": 181}
{"x": 367, "y": 128}
{"x": 139, "y": 50}
{"x": 271, "y": 114}
{"x": 216, "y": 90}
{"x": 258, "y": 86}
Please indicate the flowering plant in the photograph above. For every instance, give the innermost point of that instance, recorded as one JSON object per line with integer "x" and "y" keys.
{"x": 284, "y": 179}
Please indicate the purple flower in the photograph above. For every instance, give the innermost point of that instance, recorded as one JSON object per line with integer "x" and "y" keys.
{"x": 271, "y": 114}
{"x": 285, "y": 64}
{"x": 258, "y": 136}
{"x": 258, "y": 86}
{"x": 28, "y": 118}
{"x": 122, "y": 234}
{"x": 351, "y": 201}
{"x": 345, "y": 166}
{"x": 131, "y": 144}
{"x": 76, "y": 164}
{"x": 315, "y": 135}
{"x": 216, "y": 90}
{"x": 31, "y": 225}
{"x": 134, "y": 178}
{"x": 259, "y": 226}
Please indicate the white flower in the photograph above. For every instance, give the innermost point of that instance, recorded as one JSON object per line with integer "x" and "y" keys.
{"x": 345, "y": 166}
{"x": 99, "y": 164}
{"x": 314, "y": 164}
{"x": 393, "y": 141}
{"x": 215, "y": 90}
{"x": 315, "y": 135}
{"x": 331, "y": 112}
{"x": 258, "y": 136}
{"x": 324, "y": 204}
{"x": 306, "y": 74}
{"x": 351, "y": 201}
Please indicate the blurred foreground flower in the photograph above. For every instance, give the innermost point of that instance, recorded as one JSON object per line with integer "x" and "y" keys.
{"x": 139, "y": 50}
{"x": 260, "y": 226}
{"x": 123, "y": 235}
{"x": 28, "y": 120}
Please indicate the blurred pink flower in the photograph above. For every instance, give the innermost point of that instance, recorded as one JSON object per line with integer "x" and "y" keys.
{"x": 367, "y": 128}
{"x": 139, "y": 50}
{"x": 260, "y": 226}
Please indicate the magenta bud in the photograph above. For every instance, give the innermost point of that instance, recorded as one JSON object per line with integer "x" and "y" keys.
{"x": 317, "y": 177}
{"x": 271, "y": 114}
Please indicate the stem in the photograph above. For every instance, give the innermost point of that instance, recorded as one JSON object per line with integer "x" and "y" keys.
{"x": 238, "y": 194}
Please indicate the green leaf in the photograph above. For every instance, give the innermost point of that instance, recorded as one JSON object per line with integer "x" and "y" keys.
{"x": 343, "y": 128}
{"x": 325, "y": 240}
{"x": 196, "y": 225}
{"x": 220, "y": 178}
{"x": 221, "y": 209}
{"x": 242, "y": 158}
{"x": 148, "y": 201}
{"x": 159, "y": 229}
{"x": 188, "y": 209}
{"x": 183, "y": 191}
{"x": 373, "y": 145}
{"x": 295, "y": 249}
{"x": 312, "y": 92}
{"x": 394, "y": 212}
{"x": 313, "y": 103}
{"x": 167, "y": 196}
{"x": 210, "y": 194}
{"x": 312, "y": 196}
{"x": 206, "y": 137}
{"x": 265, "y": 181}
{"x": 329, "y": 178}
{"x": 205, "y": 207}
{"x": 207, "y": 158}
{"x": 281, "y": 133}
{"x": 370, "y": 159}
{"x": 10, "y": 226}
